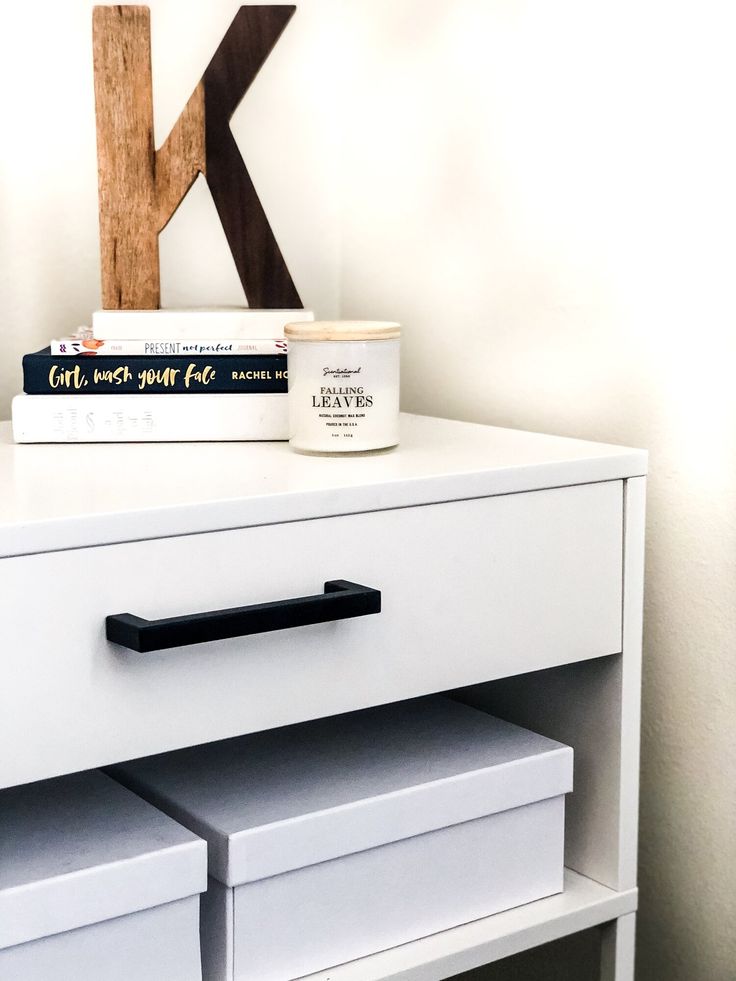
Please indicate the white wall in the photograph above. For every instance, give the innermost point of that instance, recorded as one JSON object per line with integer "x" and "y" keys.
{"x": 545, "y": 195}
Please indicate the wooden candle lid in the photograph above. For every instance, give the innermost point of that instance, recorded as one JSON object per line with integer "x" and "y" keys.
{"x": 343, "y": 330}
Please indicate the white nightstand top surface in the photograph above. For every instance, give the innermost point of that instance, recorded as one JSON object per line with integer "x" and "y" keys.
{"x": 58, "y": 496}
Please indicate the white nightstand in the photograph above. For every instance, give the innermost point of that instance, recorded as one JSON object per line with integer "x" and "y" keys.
{"x": 510, "y": 566}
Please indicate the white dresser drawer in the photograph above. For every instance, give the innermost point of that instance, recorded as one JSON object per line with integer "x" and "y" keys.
{"x": 471, "y": 590}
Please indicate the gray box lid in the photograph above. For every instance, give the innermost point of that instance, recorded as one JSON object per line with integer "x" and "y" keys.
{"x": 81, "y": 849}
{"x": 287, "y": 798}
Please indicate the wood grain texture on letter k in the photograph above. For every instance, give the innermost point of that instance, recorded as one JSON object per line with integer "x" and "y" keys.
{"x": 140, "y": 187}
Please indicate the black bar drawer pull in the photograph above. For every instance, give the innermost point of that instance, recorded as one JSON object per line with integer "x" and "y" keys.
{"x": 339, "y": 601}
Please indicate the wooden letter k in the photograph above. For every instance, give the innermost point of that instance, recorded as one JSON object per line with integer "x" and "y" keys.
{"x": 140, "y": 188}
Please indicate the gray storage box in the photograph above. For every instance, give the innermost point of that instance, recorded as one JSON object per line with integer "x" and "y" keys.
{"x": 96, "y": 885}
{"x": 337, "y": 838}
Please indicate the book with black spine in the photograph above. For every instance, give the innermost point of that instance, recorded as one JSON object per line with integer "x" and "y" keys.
{"x": 48, "y": 374}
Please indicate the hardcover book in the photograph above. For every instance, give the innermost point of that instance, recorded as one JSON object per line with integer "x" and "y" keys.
{"x": 48, "y": 374}
{"x": 148, "y": 418}
{"x": 240, "y": 323}
{"x": 84, "y": 345}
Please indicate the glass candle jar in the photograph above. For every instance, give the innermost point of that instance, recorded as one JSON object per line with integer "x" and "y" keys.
{"x": 343, "y": 385}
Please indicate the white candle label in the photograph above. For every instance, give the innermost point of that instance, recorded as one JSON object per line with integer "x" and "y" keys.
{"x": 342, "y": 404}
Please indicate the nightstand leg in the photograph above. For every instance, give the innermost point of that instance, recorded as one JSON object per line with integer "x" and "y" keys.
{"x": 617, "y": 949}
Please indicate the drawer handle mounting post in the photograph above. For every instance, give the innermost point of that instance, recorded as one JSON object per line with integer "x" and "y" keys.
{"x": 339, "y": 601}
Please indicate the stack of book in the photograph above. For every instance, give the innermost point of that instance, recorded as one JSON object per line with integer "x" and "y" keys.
{"x": 158, "y": 376}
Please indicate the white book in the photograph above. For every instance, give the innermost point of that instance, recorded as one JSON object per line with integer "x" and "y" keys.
{"x": 149, "y": 418}
{"x": 88, "y": 346}
{"x": 238, "y": 323}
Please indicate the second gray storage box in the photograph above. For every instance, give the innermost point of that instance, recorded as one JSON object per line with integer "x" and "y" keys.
{"x": 337, "y": 838}
{"x": 96, "y": 885}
